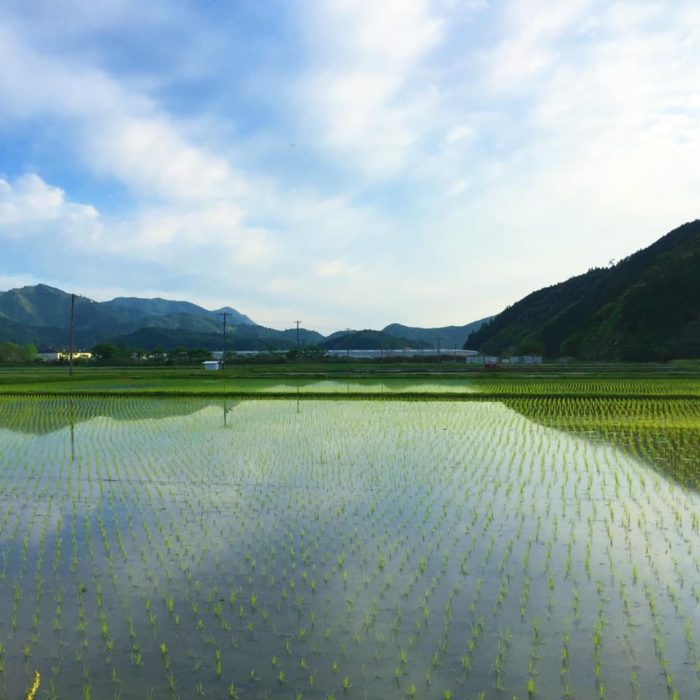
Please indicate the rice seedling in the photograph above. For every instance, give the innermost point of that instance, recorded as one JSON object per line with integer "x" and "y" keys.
{"x": 306, "y": 544}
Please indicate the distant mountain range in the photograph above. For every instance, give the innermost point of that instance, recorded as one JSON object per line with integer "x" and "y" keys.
{"x": 644, "y": 308}
{"x": 41, "y": 315}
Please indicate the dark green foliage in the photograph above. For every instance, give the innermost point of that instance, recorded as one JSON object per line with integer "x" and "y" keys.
{"x": 645, "y": 308}
{"x": 241, "y": 337}
{"x": 41, "y": 314}
{"x": 11, "y": 353}
{"x": 445, "y": 336}
{"x": 367, "y": 340}
{"x": 104, "y": 351}
{"x": 145, "y": 308}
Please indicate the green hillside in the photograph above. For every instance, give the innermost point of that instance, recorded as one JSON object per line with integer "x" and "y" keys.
{"x": 44, "y": 306}
{"x": 644, "y": 308}
{"x": 366, "y": 340}
{"x": 143, "y": 308}
{"x": 241, "y": 337}
{"x": 41, "y": 315}
{"x": 444, "y": 336}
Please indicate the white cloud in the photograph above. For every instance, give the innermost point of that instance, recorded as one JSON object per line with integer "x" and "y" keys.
{"x": 334, "y": 268}
{"x": 531, "y": 41}
{"x": 28, "y": 204}
{"x": 16, "y": 281}
{"x": 477, "y": 155}
{"x": 362, "y": 90}
{"x": 465, "y": 132}
{"x": 459, "y": 187}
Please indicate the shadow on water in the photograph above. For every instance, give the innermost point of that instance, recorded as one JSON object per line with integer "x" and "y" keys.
{"x": 663, "y": 434}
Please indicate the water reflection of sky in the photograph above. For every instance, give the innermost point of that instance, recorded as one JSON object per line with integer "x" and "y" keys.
{"x": 286, "y": 488}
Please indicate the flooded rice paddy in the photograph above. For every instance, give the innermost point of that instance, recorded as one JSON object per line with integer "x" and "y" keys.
{"x": 157, "y": 548}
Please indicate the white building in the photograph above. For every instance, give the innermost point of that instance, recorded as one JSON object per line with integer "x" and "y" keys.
{"x": 211, "y": 365}
{"x": 482, "y": 360}
{"x": 526, "y": 360}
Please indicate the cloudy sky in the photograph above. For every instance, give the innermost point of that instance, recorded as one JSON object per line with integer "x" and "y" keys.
{"x": 346, "y": 163}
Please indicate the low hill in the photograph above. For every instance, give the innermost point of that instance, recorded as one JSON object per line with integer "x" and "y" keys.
{"x": 241, "y": 337}
{"x": 444, "y": 336}
{"x": 644, "y": 308}
{"x": 365, "y": 340}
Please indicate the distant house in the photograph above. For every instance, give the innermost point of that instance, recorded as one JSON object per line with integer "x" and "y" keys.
{"x": 49, "y": 356}
{"x": 77, "y": 355}
{"x": 211, "y": 365}
{"x": 64, "y": 356}
{"x": 526, "y": 360}
{"x": 487, "y": 360}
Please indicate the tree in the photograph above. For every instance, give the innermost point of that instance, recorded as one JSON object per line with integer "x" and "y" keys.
{"x": 104, "y": 352}
{"x": 18, "y": 354}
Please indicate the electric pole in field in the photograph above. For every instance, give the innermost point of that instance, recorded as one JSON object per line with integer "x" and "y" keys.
{"x": 297, "y": 322}
{"x": 72, "y": 334}
{"x": 223, "y": 356}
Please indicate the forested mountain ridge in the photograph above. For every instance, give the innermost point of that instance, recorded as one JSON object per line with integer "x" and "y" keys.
{"x": 646, "y": 307}
{"x": 41, "y": 315}
{"x": 446, "y": 336}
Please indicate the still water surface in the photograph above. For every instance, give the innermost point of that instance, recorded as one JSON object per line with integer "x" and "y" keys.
{"x": 181, "y": 548}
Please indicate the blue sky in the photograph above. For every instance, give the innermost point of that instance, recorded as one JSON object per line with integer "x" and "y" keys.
{"x": 349, "y": 164}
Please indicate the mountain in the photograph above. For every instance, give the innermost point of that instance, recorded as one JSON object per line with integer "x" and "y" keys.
{"x": 44, "y": 306}
{"x": 644, "y": 308}
{"x": 241, "y": 337}
{"x": 235, "y": 318}
{"x": 41, "y": 314}
{"x": 365, "y": 340}
{"x": 165, "y": 307}
{"x": 445, "y": 336}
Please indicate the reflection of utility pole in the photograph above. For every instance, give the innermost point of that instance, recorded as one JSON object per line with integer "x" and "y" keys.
{"x": 223, "y": 357}
{"x": 72, "y": 430}
{"x": 297, "y": 322}
{"x": 72, "y": 334}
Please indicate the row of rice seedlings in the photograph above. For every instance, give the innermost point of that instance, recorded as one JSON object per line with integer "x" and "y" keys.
{"x": 302, "y": 570}
{"x": 602, "y": 386}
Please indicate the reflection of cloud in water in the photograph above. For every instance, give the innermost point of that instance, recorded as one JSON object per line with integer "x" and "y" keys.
{"x": 277, "y": 500}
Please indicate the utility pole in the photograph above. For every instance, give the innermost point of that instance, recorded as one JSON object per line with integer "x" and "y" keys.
{"x": 223, "y": 357}
{"x": 72, "y": 334}
{"x": 297, "y": 322}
